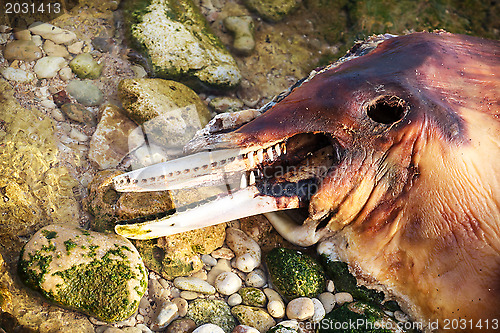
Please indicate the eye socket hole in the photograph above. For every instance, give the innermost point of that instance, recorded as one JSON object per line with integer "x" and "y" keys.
{"x": 387, "y": 109}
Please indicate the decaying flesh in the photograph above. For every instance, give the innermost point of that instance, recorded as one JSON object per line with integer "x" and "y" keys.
{"x": 393, "y": 152}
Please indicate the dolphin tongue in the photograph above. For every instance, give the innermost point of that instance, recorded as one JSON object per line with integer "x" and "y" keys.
{"x": 239, "y": 204}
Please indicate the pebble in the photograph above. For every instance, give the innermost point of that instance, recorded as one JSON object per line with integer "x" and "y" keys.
{"x": 22, "y": 50}
{"x": 328, "y": 301}
{"x": 208, "y": 328}
{"x": 85, "y": 92}
{"x": 341, "y": 298}
{"x": 301, "y": 309}
{"x": 244, "y": 329}
{"x": 194, "y": 284}
{"x": 401, "y": 316}
{"x": 184, "y": 325}
{"x": 227, "y": 283}
{"x": 242, "y": 29}
{"x": 66, "y": 74}
{"x": 200, "y": 274}
{"x": 254, "y": 317}
{"x": 47, "y": 67}
{"x": 154, "y": 288}
{"x": 223, "y": 265}
{"x": 57, "y": 115}
{"x": 165, "y": 314}
{"x": 223, "y": 253}
{"x": 208, "y": 260}
{"x": 139, "y": 71}
{"x": 23, "y": 34}
{"x": 182, "y": 306}
{"x": 55, "y": 50}
{"x": 256, "y": 278}
{"x": 234, "y": 299}
{"x": 330, "y": 286}
{"x": 55, "y": 34}
{"x": 319, "y": 311}
{"x": 275, "y": 304}
{"x": 85, "y": 67}
{"x": 76, "y": 48}
{"x": 131, "y": 330}
{"x": 37, "y": 40}
{"x": 47, "y": 103}
{"x": 79, "y": 113}
{"x": 144, "y": 328}
{"x": 248, "y": 253}
{"x": 253, "y": 296}
{"x": 16, "y": 75}
{"x": 189, "y": 295}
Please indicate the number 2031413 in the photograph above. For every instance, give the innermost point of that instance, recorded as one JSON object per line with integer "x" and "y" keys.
{"x": 464, "y": 324}
{"x": 32, "y": 8}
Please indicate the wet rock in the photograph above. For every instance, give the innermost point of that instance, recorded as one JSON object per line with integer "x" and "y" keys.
{"x": 66, "y": 74}
{"x": 60, "y": 98}
{"x": 104, "y": 45}
{"x": 53, "y": 33}
{"x": 179, "y": 43}
{"x": 55, "y": 50}
{"x": 216, "y": 312}
{"x": 260, "y": 230}
{"x": 47, "y": 67}
{"x": 194, "y": 284}
{"x": 248, "y": 254}
{"x": 223, "y": 265}
{"x": 133, "y": 205}
{"x": 184, "y": 325}
{"x": 254, "y": 317}
{"x": 287, "y": 326}
{"x": 22, "y": 34}
{"x": 16, "y": 75}
{"x": 328, "y": 301}
{"x": 273, "y": 10}
{"x": 76, "y": 48}
{"x": 242, "y": 29}
{"x": 319, "y": 311}
{"x": 22, "y": 50}
{"x": 85, "y": 67}
{"x": 256, "y": 278}
{"x": 295, "y": 274}
{"x": 301, "y": 308}
{"x": 170, "y": 113}
{"x": 85, "y": 92}
{"x": 253, "y": 296}
{"x": 234, "y": 299}
{"x": 101, "y": 275}
{"x": 179, "y": 255}
{"x": 225, "y": 104}
{"x": 275, "y": 304}
{"x": 227, "y": 283}
{"x": 165, "y": 314}
{"x": 79, "y": 113}
{"x": 35, "y": 191}
{"x": 110, "y": 142}
{"x": 244, "y": 329}
{"x": 208, "y": 328}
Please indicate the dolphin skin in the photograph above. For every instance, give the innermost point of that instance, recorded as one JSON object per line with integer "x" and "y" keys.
{"x": 392, "y": 154}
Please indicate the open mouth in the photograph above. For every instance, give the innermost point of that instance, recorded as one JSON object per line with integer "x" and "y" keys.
{"x": 277, "y": 176}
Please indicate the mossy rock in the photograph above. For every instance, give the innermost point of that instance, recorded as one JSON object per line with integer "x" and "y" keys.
{"x": 295, "y": 274}
{"x": 253, "y": 296}
{"x": 217, "y": 312}
{"x": 101, "y": 275}
{"x": 273, "y": 10}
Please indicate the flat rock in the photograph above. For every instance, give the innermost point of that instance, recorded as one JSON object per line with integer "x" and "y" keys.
{"x": 17, "y": 75}
{"x": 177, "y": 39}
{"x": 216, "y": 312}
{"x": 85, "y": 92}
{"x": 53, "y": 33}
{"x": 101, "y": 275}
{"x": 47, "y": 67}
{"x": 22, "y": 50}
{"x": 254, "y": 317}
{"x": 79, "y": 113}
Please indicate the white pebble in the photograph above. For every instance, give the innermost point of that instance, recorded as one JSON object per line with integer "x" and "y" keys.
{"x": 200, "y": 275}
{"x": 189, "y": 295}
{"x": 245, "y": 329}
{"x": 227, "y": 283}
{"x": 223, "y": 265}
{"x": 401, "y": 316}
{"x": 47, "y": 67}
{"x": 341, "y": 298}
{"x": 248, "y": 253}
{"x": 256, "y": 279}
{"x": 17, "y": 75}
{"x": 301, "y": 308}
{"x": 319, "y": 311}
{"x": 166, "y": 313}
{"x": 223, "y": 253}
{"x": 76, "y": 48}
{"x": 47, "y": 103}
{"x": 37, "y": 40}
{"x": 328, "y": 301}
{"x": 194, "y": 284}
{"x": 276, "y": 309}
{"x": 182, "y": 306}
{"x": 208, "y": 328}
{"x": 234, "y": 299}
{"x": 208, "y": 260}
{"x": 57, "y": 115}
{"x": 330, "y": 286}
{"x": 139, "y": 71}
{"x": 144, "y": 328}
{"x": 66, "y": 73}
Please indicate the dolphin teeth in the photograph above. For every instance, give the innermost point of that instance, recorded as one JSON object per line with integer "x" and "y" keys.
{"x": 243, "y": 182}
{"x": 270, "y": 153}
{"x": 260, "y": 155}
{"x": 252, "y": 178}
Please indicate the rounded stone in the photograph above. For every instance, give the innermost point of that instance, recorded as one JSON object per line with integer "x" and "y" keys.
{"x": 79, "y": 113}
{"x": 242, "y": 29}
{"x": 234, "y": 299}
{"x": 248, "y": 253}
{"x": 254, "y": 317}
{"x": 276, "y": 309}
{"x": 85, "y": 67}
{"x": 85, "y": 92}
{"x": 256, "y": 278}
{"x": 214, "y": 311}
{"x": 227, "y": 283}
{"x": 328, "y": 301}
{"x": 343, "y": 297}
{"x": 24, "y": 50}
{"x": 208, "y": 328}
{"x": 253, "y": 296}
{"x": 301, "y": 309}
{"x": 184, "y": 325}
{"x": 194, "y": 284}
{"x": 244, "y": 329}
{"x": 16, "y": 75}
{"x": 55, "y": 50}
{"x": 319, "y": 311}
{"x": 99, "y": 274}
{"x": 47, "y": 67}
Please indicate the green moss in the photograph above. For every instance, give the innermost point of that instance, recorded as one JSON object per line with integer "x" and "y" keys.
{"x": 344, "y": 281}
{"x": 33, "y": 270}
{"x": 295, "y": 274}
{"x": 48, "y": 248}
{"x": 217, "y": 312}
{"x": 49, "y": 234}
{"x": 70, "y": 245}
{"x": 252, "y": 296}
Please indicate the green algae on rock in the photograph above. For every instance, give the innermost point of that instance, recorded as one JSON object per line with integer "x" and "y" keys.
{"x": 177, "y": 40}
{"x": 169, "y": 112}
{"x": 253, "y": 317}
{"x": 252, "y": 296}
{"x": 216, "y": 312}
{"x": 295, "y": 274}
{"x": 179, "y": 255}
{"x": 85, "y": 67}
{"x": 273, "y": 10}
{"x": 101, "y": 275}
